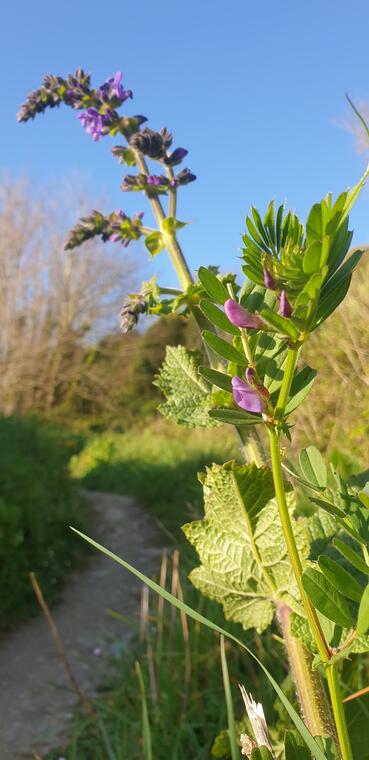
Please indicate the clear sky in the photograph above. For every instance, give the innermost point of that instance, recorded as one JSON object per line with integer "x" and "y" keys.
{"x": 254, "y": 90}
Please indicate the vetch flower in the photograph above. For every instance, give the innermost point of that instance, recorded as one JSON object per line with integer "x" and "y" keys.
{"x": 285, "y": 308}
{"x": 247, "y": 398}
{"x": 240, "y": 317}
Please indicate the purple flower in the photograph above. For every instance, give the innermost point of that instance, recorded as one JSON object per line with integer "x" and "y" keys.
{"x": 240, "y": 317}
{"x": 92, "y": 122}
{"x": 176, "y": 157}
{"x": 156, "y": 180}
{"x": 113, "y": 88}
{"x": 285, "y": 308}
{"x": 269, "y": 280}
{"x": 245, "y": 397}
{"x": 184, "y": 177}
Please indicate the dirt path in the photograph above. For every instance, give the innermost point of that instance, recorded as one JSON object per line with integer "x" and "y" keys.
{"x": 35, "y": 697}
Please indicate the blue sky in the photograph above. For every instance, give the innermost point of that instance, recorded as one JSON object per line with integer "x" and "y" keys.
{"x": 253, "y": 90}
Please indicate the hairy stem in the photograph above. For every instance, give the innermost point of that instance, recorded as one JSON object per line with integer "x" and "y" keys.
{"x": 310, "y": 690}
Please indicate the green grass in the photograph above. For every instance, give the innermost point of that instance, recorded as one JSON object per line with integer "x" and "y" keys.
{"x": 37, "y": 502}
{"x": 179, "y": 659}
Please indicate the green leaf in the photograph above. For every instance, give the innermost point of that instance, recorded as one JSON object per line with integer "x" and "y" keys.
{"x": 235, "y": 417}
{"x": 281, "y": 324}
{"x": 188, "y": 398}
{"x": 363, "y": 614}
{"x": 295, "y": 748}
{"x": 313, "y": 467}
{"x": 170, "y": 225}
{"x": 315, "y": 223}
{"x": 224, "y": 348}
{"x": 311, "y": 260}
{"x": 334, "y": 290}
{"x": 219, "y": 379}
{"x": 218, "y": 317}
{"x": 340, "y": 578}
{"x": 244, "y": 563}
{"x": 194, "y": 615}
{"x": 351, "y": 555}
{"x": 235, "y": 752}
{"x": 326, "y": 598}
{"x": 261, "y": 753}
{"x": 146, "y": 732}
{"x": 154, "y": 243}
{"x": 213, "y": 286}
{"x": 301, "y": 386}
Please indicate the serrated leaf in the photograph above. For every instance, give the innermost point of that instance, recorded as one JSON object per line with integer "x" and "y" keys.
{"x": 326, "y": 598}
{"x": 351, "y": 555}
{"x": 213, "y": 286}
{"x": 244, "y": 561}
{"x": 313, "y": 467}
{"x": 219, "y": 379}
{"x": 218, "y": 317}
{"x": 224, "y": 348}
{"x": 363, "y": 614}
{"x": 295, "y": 747}
{"x": 235, "y": 417}
{"x": 188, "y": 398}
{"x": 281, "y": 324}
{"x": 340, "y": 578}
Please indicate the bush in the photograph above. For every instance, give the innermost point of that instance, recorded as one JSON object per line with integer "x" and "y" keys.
{"x": 37, "y": 503}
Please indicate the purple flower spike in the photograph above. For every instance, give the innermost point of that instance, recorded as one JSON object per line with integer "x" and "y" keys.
{"x": 240, "y": 317}
{"x": 285, "y": 308}
{"x": 269, "y": 280}
{"x": 92, "y": 122}
{"x": 245, "y": 397}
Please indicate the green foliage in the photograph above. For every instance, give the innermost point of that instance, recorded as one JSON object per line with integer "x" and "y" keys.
{"x": 38, "y": 501}
{"x": 244, "y": 563}
{"x": 187, "y": 394}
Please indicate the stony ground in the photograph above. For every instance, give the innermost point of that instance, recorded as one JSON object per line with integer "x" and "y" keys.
{"x": 35, "y": 696}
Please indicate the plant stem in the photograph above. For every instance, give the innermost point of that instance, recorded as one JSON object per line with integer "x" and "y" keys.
{"x": 291, "y": 544}
{"x": 339, "y": 712}
{"x": 323, "y": 649}
{"x": 309, "y": 685}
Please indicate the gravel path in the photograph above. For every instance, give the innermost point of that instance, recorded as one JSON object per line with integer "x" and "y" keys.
{"x": 35, "y": 697}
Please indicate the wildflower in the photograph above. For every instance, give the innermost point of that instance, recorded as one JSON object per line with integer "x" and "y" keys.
{"x": 92, "y": 122}
{"x": 150, "y": 143}
{"x": 240, "y": 317}
{"x": 285, "y": 308}
{"x": 113, "y": 88}
{"x": 247, "y": 398}
{"x": 184, "y": 177}
{"x": 131, "y": 310}
{"x": 176, "y": 157}
{"x": 269, "y": 280}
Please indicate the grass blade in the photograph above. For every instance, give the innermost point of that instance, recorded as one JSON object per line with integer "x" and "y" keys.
{"x": 235, "y": 752}
{"x": 146, "y": 733}
{"x": 299, "y": 724}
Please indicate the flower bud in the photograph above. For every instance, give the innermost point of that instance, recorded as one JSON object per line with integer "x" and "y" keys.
{"x": 285, "y": 308}
{"x": 269, "y": 280}
{"x": 240, "y": 317}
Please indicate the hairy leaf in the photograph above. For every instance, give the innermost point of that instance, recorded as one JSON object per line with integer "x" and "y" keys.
{"x": 244, "y": 562}
{"x": 187, "y": 394}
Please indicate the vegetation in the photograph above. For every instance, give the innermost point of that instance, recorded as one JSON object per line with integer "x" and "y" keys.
{"x": 38, "y": 503}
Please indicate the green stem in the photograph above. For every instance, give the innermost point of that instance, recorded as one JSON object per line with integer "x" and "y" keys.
{"x": 323, "y": 649}
{"x": 291, "y": 544}
{"x": 339, "y": 712}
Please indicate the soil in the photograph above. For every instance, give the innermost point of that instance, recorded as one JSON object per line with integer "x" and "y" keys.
{"x": 36, "y": 700}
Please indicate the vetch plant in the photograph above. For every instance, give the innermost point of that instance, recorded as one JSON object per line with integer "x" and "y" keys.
{"x": 258, "y": 557}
